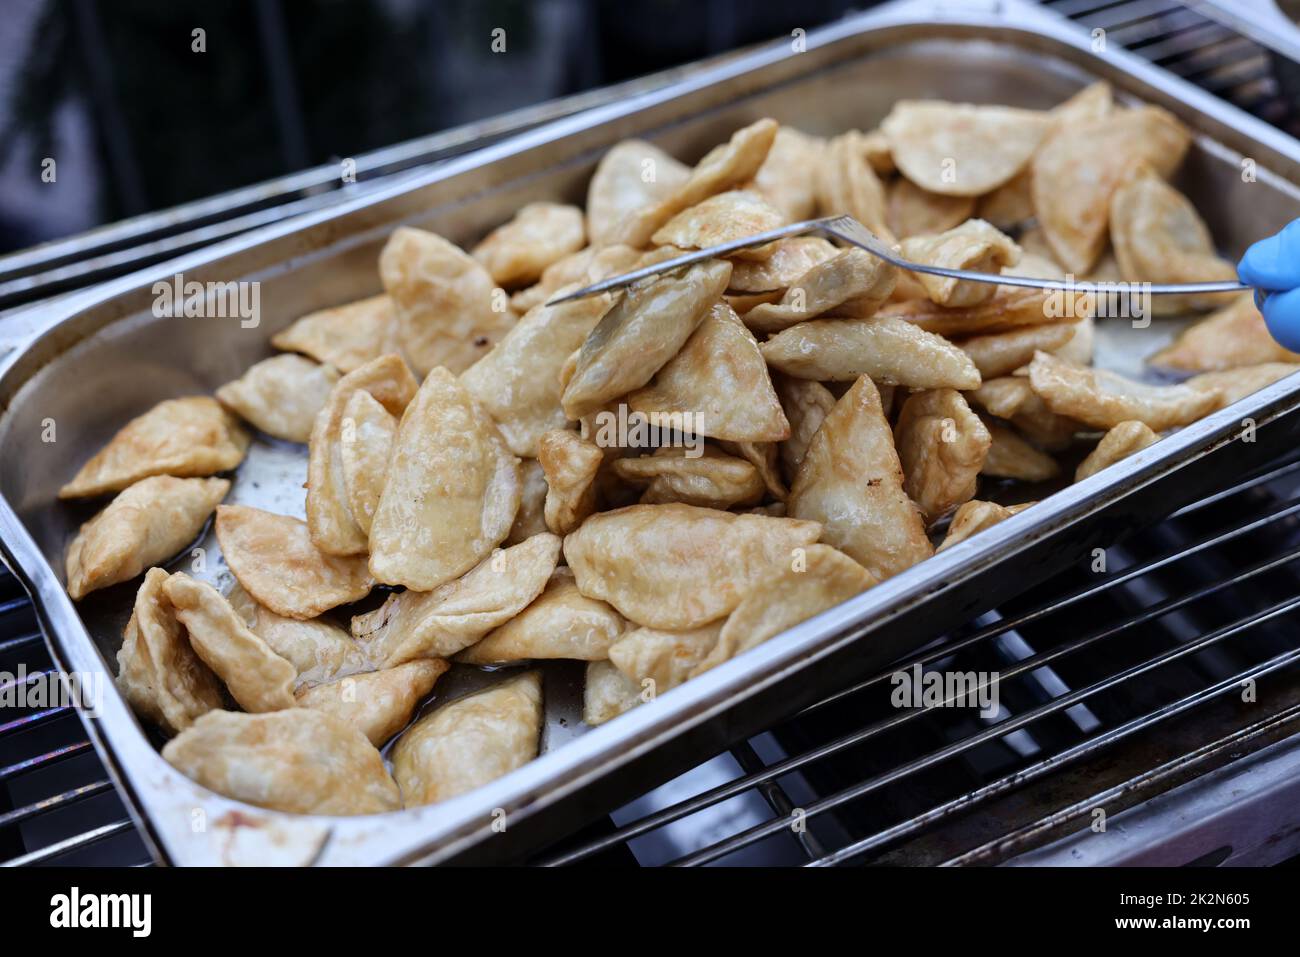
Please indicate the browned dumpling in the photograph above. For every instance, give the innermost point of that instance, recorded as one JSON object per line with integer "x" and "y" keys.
{"x": 631, "y": 176}
{"x": 724, "y": 167}
{"x": 1013, "y": 398}
{"x": 941, "y": 445}
{"x": 607, "y": 693}
{"x": 788, "y": 177}
{"x": 452, "y": 490}
{"x": 345, "y": 337}
{"x": 851, "y": 283}
{"x": 439, "y": 623}
{"x": 470, "y": 742}
{"x": 656, "y": 660}
{"x": 974, "y": 245}
{"x": 959, "y": 149}
{"x": 818, "y": 579}
{"x": 975, "y": 517}
{"x": 1010, "y": 308}
{"x": 726, "y": 217}
{"x": 570, "y": 464}
{"x": 582, "y": 268}
{"x": 187, "y": 438}
{"x": 712, "y": 479}
{"x": 851, "y": 481}
{"x": 1234, "y": 336}
{"x": 806, "y": 404}
{"x": 644, "y": 329}
{"x": 145, "y": 525}
{"x": 560, "y": 623}
{"x": 657, "y": 564}
{"x": 1117, "y": 444}
{"x": 257, "y": 678}
{"x": 1158, "y": 236}
{"x": 1103, "y": 399}
{"x": 334, "y": 529}
{"x": 157, "y": 671}
{"x": 1233, "y": 385}
{"x": 787, "y": 260}
{"x": 531, "y": 517}
{"x": 298, "y": 760}
{"x": 1002, "y": 353}
{"x": 1081, "y": 164}
{"x": 540, "y": 235}
{"x": 281, "y": 395}
{"x": 378, "y": 703}
{"x": 720, "y": 379}
{"x": 449, "y": 312}
{"x": 914, "y": 211}
{"x": 892, "y": 351}
{"x": 365, "y": 449}
{"x": 847, "y": 185}
{"x": 1011, "y": 457}
{"x": 276, "y": 561}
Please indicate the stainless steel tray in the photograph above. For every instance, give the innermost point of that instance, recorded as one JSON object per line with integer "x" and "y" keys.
{"x": 103, "y": 357}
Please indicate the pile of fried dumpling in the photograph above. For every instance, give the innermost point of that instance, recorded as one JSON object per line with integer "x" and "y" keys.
{"x": 475, "y": 473}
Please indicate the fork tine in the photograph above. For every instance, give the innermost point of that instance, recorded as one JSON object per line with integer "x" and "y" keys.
{"x": 677, "y": 262}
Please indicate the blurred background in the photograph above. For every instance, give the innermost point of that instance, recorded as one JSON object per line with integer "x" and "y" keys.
{"x": 139, "y": 113}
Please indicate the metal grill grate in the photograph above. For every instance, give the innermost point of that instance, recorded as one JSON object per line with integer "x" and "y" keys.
{"x": 1112, "y": 686}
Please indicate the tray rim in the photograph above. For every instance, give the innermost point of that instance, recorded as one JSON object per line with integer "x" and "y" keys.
{"x": 156, "y": 794}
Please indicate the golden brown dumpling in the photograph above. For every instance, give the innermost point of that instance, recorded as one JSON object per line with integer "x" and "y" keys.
{"x": 281, "y": 395}
{"x": 378, "y": 703}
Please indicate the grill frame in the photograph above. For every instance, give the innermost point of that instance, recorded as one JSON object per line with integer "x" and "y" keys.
{"x": 1277, "y": 403}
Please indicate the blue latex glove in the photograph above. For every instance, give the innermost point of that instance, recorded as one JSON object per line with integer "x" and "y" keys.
{"x": 1272, "y": 267}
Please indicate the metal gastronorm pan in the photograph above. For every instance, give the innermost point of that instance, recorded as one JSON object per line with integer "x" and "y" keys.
{"x": 103, "y": 357}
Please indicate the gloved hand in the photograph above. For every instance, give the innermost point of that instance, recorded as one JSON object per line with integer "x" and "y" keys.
{"x": 1272, "y": 267}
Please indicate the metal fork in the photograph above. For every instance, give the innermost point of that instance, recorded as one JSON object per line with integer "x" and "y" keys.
{"x": 849, "y": 230}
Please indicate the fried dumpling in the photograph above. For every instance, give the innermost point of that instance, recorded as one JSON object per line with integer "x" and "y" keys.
{"x": 439, "y": 623}
{"x": 975, "y": 517}
{"x": 582, "y": 268}
{"x": 1232, "y": 337}
{"x": 1002, "y": 353}
{"x": 631, "y": 176}
{"x": 710, "y": 480}
{"x": 1233, "y": 385}
{"x": 145, "y": 525}
{"x": 1081, "y": 164}
{"x": 788, "y": 259}
{"x": 960, "y": 149}
{"x": 851, "y": 283}
{"x": 531, "y": 517}
{"x": 1010, "y": 205}
{"x": 319, "y": 650}
{"x": 941, "y": 445}
{"x": 299, "y": 760}
{"x": 644, "y": 329}
{"x": 818, "y": 579}
{"x": 788, "y": 177}
{"x": 365, "y": 447}
{"x": 277, "y": 563}
{"x": 1011, "y": 457}
{"x": 607, "y": 693}
{"x": 658, "y": 564}
{"x": 345, "y": 337}
{"x": 187, "y": 438}
{"x": 570, "y": 464}
{"x": 470, "y": 741}
{"x": 1010, "y": 308}
{"x": 540, "y": 235}
{"x": 1104, "y": 399}
{"x": 560, "y": 623}
{"x": 1118, "y": 443}
{"x": 721, "y": 380}
{"x": 452, "y": 490}
{"x": 518, "y": 382}
{"x": 735, "y": 214}
{"x": 724, "y": 167}
{"x": 379, "y": 703}
{"x": 851, "y": 481}
{"x": 806, "y": 404}
{"x": 1013, "y": 398}
{"x": 847, "y": 184}
{"x": 281, "y": 395}
{"x": 763, "y": 456}
{"x": 974, "y": 245}
{"x": 334, "y": 529}
{"x": 157, "y": 670}
{"x": 655, "y": 660}
{"x": 257, "y": 678}
{"x": 892, "y": 351}
{"x": 448, "y": 310}
{"x": 914, "y": 211}
{"x": 1159, "y": 237}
